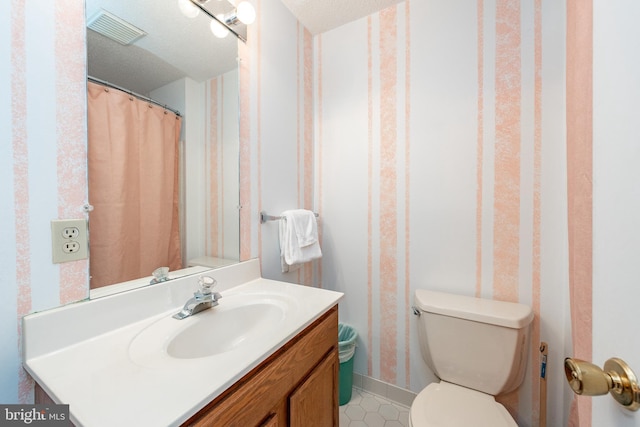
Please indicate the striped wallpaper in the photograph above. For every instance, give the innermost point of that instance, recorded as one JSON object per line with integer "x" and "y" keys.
{"x": 429, "y": 136}
{"x": 276, "y": 134}
{"x": 580, "y": 187}
{"x": 433, "y": 171}
{"x": 221, "y": 168}
{"x": 214, "y": 244}
{"x": 42, "y": 164}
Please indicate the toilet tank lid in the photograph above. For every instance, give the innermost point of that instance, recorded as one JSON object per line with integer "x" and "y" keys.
{"x": 507, "y": 314}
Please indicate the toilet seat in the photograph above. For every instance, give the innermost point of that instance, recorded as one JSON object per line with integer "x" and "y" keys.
{"x": 448, "y": 405}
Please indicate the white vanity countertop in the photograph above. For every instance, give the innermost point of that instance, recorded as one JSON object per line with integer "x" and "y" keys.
{"x": 80, "y": 354}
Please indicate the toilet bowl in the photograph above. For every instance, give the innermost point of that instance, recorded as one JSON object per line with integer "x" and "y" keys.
{"x": 443, "y": 404}
{"x": 478, "y": 349}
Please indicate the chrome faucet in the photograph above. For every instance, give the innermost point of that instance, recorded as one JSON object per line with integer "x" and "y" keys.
{"x": 202, "y": 299}
{"x": 160, "y": 274}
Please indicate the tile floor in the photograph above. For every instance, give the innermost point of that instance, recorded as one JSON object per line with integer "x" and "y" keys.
{"x": 369, "y": 410}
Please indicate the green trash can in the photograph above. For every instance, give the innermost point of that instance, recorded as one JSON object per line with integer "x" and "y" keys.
{"x": 346, "y": 348}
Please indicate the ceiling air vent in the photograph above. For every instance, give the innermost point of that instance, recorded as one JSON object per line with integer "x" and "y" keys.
{"x": 115, "y": 28}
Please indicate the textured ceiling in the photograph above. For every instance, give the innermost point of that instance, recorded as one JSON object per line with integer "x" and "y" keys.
{"x": 319, "y": 16}
{"x": 176, "y": 46}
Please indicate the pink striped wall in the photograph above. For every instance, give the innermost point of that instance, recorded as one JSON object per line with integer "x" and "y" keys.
{"x": 506, "y": 232}
{"x": 388, "y": 197}
{"x": 304, "y": 139}
{"x": 507, "y": 165}
{"x": 246, "y": 121}
{"x": 307, "y": 112}
{"x": 537, "y": 213}
{"x": 507, "y": 152}
{"x": 496, "y": 126}
{"x": 38, "y": 284}
{"x": 370, "y": 119}
{"x": 318, "y": 134}
{"x": 21, "y": 176}
{"x": 212, "y": 163}
{"x": 258, "y": 119}
{"x": 218, "y": 164}
{"x": 307, "y": 164}
{"x": 277, "y": 134}
{"x": 381, "y": 259}
{"x": 407, "y": 192}
{"x": 580, "y": 188}
{"x": 71, "y": 133}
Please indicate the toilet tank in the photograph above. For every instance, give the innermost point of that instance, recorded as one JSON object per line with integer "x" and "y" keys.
{"x": 473, "y": 342}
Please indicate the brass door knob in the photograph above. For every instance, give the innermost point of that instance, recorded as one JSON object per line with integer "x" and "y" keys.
{"x": 617, "y": 378}
{"x": 585, "y": 378}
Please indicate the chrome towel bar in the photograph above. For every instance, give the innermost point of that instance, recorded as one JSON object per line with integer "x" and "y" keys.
{"x": 264, "y": 217}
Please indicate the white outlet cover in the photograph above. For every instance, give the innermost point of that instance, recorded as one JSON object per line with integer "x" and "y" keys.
{"x": 59, "y": 233}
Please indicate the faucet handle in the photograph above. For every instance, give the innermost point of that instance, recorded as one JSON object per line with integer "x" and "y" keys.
{"x": 206, "y": 283}
{"x": 160, "y": 274}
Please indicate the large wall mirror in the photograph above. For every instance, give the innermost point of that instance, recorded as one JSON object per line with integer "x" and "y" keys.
{"x": 181, "y": 191}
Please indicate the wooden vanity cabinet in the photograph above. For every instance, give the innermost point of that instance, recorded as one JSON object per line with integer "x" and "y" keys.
{"x": 297, "y": 386}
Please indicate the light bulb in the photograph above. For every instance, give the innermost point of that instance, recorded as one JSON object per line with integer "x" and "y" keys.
{"x": 217, "y": 28}
{"x": 188, "y": 9}
{"x": 246, "y": 13}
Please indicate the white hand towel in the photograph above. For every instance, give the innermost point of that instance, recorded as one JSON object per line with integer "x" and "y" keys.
{"x": 298, "y": 238}
{"x": 304, "y": 223}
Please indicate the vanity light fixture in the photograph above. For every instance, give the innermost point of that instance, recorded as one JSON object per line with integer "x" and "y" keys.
{"x": 217, "y": 28}
{"x": 188, "y": 9}
{"x": 221, "y": 24}
{"x": 244, "y": 13}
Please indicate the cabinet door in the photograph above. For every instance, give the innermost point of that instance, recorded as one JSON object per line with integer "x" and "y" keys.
{"x": 272, "y": 421}
{"x": 315, "y": 402}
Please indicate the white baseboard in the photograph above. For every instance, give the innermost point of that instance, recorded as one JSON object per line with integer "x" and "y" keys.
{"x": 388, "y": 391}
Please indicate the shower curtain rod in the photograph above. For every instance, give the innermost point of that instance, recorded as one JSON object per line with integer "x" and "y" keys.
{"x": 137, "y": 95}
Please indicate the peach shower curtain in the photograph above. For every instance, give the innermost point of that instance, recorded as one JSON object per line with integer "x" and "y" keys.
{"x": 133, "y": 186}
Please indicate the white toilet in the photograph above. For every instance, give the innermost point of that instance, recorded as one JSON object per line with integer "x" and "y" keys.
{"x": 478, "y": 348}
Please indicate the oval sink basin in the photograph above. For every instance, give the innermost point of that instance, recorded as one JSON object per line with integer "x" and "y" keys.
{"x": 237, "y": 321}
{"x": 217, "y": 331}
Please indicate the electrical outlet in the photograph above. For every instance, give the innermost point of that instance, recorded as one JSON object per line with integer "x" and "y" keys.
{"x": 70, "y": 247}
{"x": 70, "y": 233}
{"x": 69, "y": 240}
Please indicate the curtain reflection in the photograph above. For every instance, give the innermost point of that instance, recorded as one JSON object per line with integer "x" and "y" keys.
{"x": 133, "y": 186}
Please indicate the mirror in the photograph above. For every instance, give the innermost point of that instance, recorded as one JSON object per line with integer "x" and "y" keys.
{"x": 180, "y": 64}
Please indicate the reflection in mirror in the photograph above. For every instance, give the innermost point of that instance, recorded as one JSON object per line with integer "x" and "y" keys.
{"x": 173, "y": 207}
